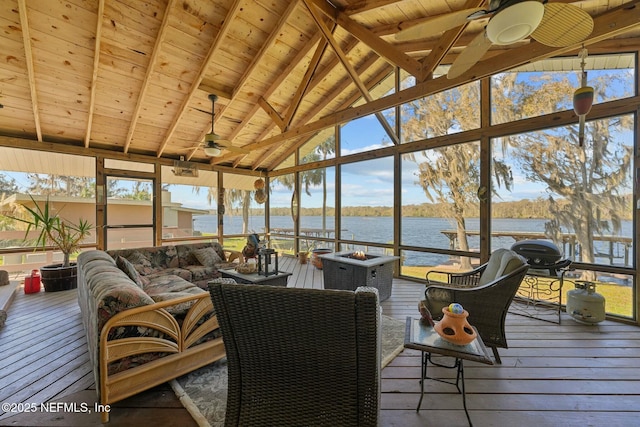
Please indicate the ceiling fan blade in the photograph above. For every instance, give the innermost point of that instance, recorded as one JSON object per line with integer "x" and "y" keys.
{"x": 438, "y": 24}
{"x": 236, "y": 149}
{"x": 227, "y": 145}
{"x": 212, "y": 137}
{"x": 470, "y": 55}
{"x": 194, "y": 148}
{"x": 563, "y": 25}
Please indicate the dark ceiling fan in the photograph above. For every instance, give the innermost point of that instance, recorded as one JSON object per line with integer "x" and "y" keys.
{"x": 510, "y": 21}
{"x": 213, "y": 143}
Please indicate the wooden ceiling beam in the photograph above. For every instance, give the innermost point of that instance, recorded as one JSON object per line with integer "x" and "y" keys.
{"x": 606, "y": 25}
{"x": 350, "y": 101}
{"x": 366, "y": 36}
{"x": 231, "y": 96}
{"x": 350, "y": 68}
{"x": 28, "y": 57}
{"x": 94, "y": 76}
{"x": 210, "y": 86}
{"x": 306, "y": 79}
{"x": 263, "y": 157}
{"x": 272, "y": 88}
{"x": 226, "y": 26}
{"x": 265, "y": 46}
{"x": 360, "y": 6}
{"x": 280, "y": 78}
{"x": 316, "y": 78}
{"x": 338, "y": 50}
{"x": 153, "y": 61}
{"x": 339, "y": 89}
{"x": 273, "y": 114}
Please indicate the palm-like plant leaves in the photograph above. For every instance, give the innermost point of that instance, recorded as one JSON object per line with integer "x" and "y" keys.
{"x": 55, "y": 231}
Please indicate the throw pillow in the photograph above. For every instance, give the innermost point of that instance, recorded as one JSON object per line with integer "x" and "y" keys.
{"x": 140, "y": 262}
{"x": 207, "y": 257}
{"x": 128, "y": 268}
{"x": 219, "y": 250}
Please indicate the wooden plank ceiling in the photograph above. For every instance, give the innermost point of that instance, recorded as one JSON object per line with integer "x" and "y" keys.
{"x": 133, "y": 76}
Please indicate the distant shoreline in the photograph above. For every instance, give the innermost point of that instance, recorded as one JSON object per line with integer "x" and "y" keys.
{"x": 521, "y": 209}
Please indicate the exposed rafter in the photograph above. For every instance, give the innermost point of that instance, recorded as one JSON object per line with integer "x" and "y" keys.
{"x": 381, "y": 47}
{"x": 350, "y": 69}
{"x": 153, "y": 63}
{"x": 94, "y": 76}
{"x": 272, "y": 37}
{"x": 132, "y": 77}
{"x": 304, "y": 84}
{"x": 28, "y": 57}
{"x": 606, "y": 25}
{"x": 226, "y": 26}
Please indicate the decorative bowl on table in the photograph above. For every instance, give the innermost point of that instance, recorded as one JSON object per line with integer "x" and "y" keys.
{"x": 247, "y": 267}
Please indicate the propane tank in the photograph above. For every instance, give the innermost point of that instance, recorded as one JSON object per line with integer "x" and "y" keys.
{"x": 584, "y": 304}
{"x": 32, "y": 283}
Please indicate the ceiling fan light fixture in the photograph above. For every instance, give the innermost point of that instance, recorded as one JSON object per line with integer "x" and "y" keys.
{"x": 515, "y": 22}
{"x": 212, "y": 151}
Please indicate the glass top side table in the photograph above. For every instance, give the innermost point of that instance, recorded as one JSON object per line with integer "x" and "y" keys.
{"x": 419, "y": 335}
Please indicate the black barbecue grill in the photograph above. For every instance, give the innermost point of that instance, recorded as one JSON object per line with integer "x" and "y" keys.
{"x": 541, "y": 255}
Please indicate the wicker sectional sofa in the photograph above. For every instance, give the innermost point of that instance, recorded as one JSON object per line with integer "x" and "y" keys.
{"x": 146, "y": 317}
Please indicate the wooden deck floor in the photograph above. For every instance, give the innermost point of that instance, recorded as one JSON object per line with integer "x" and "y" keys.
{"x": 568, "y": 374}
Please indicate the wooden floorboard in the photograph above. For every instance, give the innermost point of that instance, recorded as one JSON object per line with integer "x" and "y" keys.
{"x": 566, "y": 374}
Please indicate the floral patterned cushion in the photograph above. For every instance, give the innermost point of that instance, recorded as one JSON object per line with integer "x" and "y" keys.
{"x": 179, "y": 309}
{"x": 138, "y": 258}
{"x": 201, "y": 275}
{"x": 180, "y": 272}
{"x": 168, "y": 283}
{"x": 150, "y": 260}
{"x": 130, "y": 270}
{"x": 207, "y": 257}
{"x": 185, "y": 252}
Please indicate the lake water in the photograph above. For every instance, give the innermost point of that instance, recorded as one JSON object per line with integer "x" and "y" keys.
{"x": 420, "y": 232}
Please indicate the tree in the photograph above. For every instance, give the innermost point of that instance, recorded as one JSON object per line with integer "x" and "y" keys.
{"x": 589, "y": 177}
{"x": 449, "y": 175}
{"x": 314, "y": 177}
{"x": 325, "y": 148}
{"x": 141, "y": 190}
{"x": 233, "y": 197}
{"x": 583, "y": 183}
{"x": 8, "y": 185}
{"x": 61, "y": 185}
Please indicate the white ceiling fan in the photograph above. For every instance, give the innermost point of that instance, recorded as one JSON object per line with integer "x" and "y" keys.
{"x": 213, "y": 143}
{"x": 510, "y": 21}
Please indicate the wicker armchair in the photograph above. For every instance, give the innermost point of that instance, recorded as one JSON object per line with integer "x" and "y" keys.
{"x": 300, "y": 356}
{"x": 478, "y": 276}
{"x": 487, "y": 302}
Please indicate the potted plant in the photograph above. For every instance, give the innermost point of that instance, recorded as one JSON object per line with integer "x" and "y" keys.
{"x": 60, "y": 233}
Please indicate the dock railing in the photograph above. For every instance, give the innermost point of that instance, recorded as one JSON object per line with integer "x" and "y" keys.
{"x": 570, "y": 245}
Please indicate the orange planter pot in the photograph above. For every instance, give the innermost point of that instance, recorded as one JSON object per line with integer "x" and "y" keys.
{"x": 454, "y": 327}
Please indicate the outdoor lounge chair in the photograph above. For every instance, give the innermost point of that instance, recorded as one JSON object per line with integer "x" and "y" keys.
{"x": 485, "y": 293}
{"x": 300, "y": 356}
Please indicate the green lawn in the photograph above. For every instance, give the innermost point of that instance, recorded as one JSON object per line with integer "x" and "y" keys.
{"x": 618, "y": 298}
